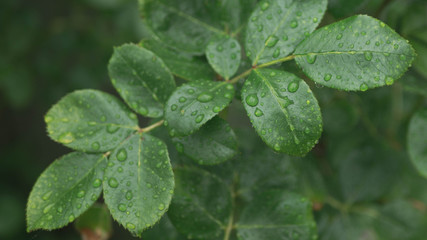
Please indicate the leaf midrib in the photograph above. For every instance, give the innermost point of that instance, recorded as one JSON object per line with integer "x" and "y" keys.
{"x": 347, "y": 52}
{"x": 285, "y": 111}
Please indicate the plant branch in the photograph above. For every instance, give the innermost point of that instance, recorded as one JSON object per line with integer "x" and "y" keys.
{"x": 151, "y": 127}
{"x": 230, "y": 225}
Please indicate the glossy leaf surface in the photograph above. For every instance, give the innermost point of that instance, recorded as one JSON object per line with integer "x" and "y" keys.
{"x": 276, "y": 27}
{"x": 213, "y": 143}
{"x": 90, "y": 120}
{"x": 141, "y": 78}
{"x": 355, "y": 54}
{"x": 276, "y": 214}
{"x": 139, "y": 182}
{"x": 195, "y": 103}
{"x": 224, "y": 56}
{"x": 417, "y": 141}
{"x": 67, "y": 188}
{"x": 283, "y": 111}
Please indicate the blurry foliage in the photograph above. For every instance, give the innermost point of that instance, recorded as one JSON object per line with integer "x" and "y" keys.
{"x": 49, "y": 48}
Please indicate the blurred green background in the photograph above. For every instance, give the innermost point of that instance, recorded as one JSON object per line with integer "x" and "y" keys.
{"x": 49, "y": 48}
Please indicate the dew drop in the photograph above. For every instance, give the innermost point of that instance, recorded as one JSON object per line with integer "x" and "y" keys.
{"x": 294, "y": 24}
{"x": 311, "y": 58}
{"x": 112, "y": 128}
{"x": 265, "y": 6}
{"x": 363, "y": 87}
{"x": 130, "y": 226}
{"x": 216, "y": 109}
{"x": 276, "y": 147}
{"x": 129, "y": 195}
{"x": 271, "y": 41}
{"x": 276, "y": 53}
{"x": 95, "y": 146}
{"x": 97, "y": 183}
{"x": 219, "y": 48}
{"x": 327, "y": 77}
{"x": 71, "y": 218}
{"x": 339, "y": 36}
{"x": 161, "y": 206}
{"x": 293, "y": 87}
{"x": 389, "y": 80}
{"x": 258, "y": 112}
{"x": 66, "y": 138}
{"x": 252, "y": 100}
{"x": 199, "y": 118}
{"x": 368, "y": 56}
{"x": 182, "y": 99}
{"x": 122, "y": 155}
{"x": 174, "y": 107}
{"x": 47, "y": 195}
{"x": 122, "y": 207}
{"x": 81, "y": 194}
{"x": 112, "y": 182}
{"x": 204, "y": 97}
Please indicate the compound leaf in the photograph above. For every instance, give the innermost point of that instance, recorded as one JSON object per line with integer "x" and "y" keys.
{"x": 182, "y": 65}
{"x": 141, "y": 78}
{"x": 355, "y": 54}
{"x": 186, "y": 25}
{"x": 215, "y": 142}
{"x": 283, "y": 111}
{"x": 90, "y": 120}
{"x": 224, "y": 56}
{"x": 202, "y": 196}
{"x": 195, "y": 103}
{"x": 276, "y": 27}
{"x": 139, "y": 182}
{"x": 277, "y": 214}
{"x": 66, "y": 189}
{"x": 417, "y": 147}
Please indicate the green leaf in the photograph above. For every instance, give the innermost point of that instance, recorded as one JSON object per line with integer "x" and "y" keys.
{"x": 141, "y": 78}
{"x": 66, "y": 189}
{"x": 283, "y": 111}
{"x": 182, "y": 65}
{"x": 139, "y": 182}
{"x": 277, "y": 214}
{"x": 224, "y": 56}
{"x": 195, "y": 103}
{"x": 234, "y": 14}
{"x": 417, "y": 147}
{"x": 349, "y": 226}
{"x": 187, "y": 25}
{"x": 202, "y": 197}
{"x": 276, "y": 27}
{"x": 163, "y": 230}
{"x": 95, "y": 221}
{"x": 355, "y": 54}
{"x": 90, "y": 120}
{"x": 215, "y": 142}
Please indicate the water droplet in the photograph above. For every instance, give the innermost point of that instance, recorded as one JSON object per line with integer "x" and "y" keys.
{"x": 293, "y": 86}
{"x": 112, "y": 128}
{"x": 112, "y": 182}
{"x": 368, "y": 56}
{"x": 252, "y": 100}
{"x": 315, "y": 20}
{"x": 260, "y": 28}
{"x": 129, "y": 195}
{"x": 258, "y": 112}
{"x": 339, "y": 36}
{"x": 389, "y": 80}
{"x": 276, "y": 53}
{"x": 265, "y": 6}
{"x": 47, "y": 195}
{"x": 396, "y": 46}
{"x": 311, "y": 58}
{"x": 130, "y": 226}
{"x": 71, "y": 218}
{"x": 48, "y": 119}
{"x": 182, "y": 99}
{"x": 97, "y": 183}
{"x": 216, "y": 109}
{"x": 402, "y": 57}
{"x": 271, "y": 41}
{"x": 122, "y": 155}
{"x": 233, "y": 56}
{"x": 204, "y": 97}
{"x": 59, "y": 209}
{"x": 327, "y": 77}
{"x": 161, "y": 206}
{"x": 95, "y": 146}
{"x": 66, "y": 138}
{"x": 174, "y": 107}
{"x": 382, "y": 24}
{"x": 103, "y": 118}
{"x": 199, "y": 118}
{"x": 219, "y": 48}
{"x": 363, "y": 87}
{"x": 277, "y": 147}
{"x": 80, "y": 194}
{"x": 122, "y": 207}
{"x": 294, "y": 24}
{"x": 190, "y": 91}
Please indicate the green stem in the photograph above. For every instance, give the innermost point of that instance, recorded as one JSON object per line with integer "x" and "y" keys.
{"x": 247, "y": 72}
{"x": 151, "y": 127}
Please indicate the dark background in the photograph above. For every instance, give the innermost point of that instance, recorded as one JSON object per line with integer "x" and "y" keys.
{"x": 49, "y": 48}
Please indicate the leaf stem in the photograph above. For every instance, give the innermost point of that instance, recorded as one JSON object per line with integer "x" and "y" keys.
{"x": 230, "y": 225}
{"x": 247, "y": 72}
{"x": 151, "y": 127}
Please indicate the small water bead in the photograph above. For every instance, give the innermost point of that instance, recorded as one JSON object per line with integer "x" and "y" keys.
{"x": 81, "y": 194}
{"x": 233, "y": 45}
{"x": 122, "y": 207}
{"x": 103, "y": 118}
{"x": 265, "y": 6}
{"x": 311, "y": 58}
{"x": 260, "y": 28}
{"x": 252, "y": 100}
{"x": 161, "y": 206}
{"x": 190, "y": 91}
{"x": 71, "y": 218}
{"x": 95, "y": 146}
{"x": 182, "y": 99}
{"x": 130, "y": 226}
{"x": 174, "y": 107}
{"x": 396, "y": 46}
{"x": 112, "y": 128}
{"x": 293, "y": 86}
{"x": 368, "y": 56}
{"x": 276, "y": 53}
{"x": 363, "y": 87}
{"x": 97, "y": 183}
{"x": 47, "y": 195}
{"x": 276, "y": 147}
{"x": 112, "y": 182}
{"x": 48, "y": 119}
{"x": 233, "y": 56}
{"x": 219, "y": 48}
{"x": 204, "y": 97}
{"x": 315, "y": 20}
{"x": 339, "y": 36}
{"x": 389, "y": 80}
{"x": 271, "y": 41}
{"x": 129, "y": 195}
{"x": 199, "y": 118}
{"x": 66, "y": 138}
{"x": 258, "y": 112}
{"x": 122, "y": 155}
{"x": 216, "y": 109}
{"x": 327, "y": 77}
{"x": 285, "y": 37}
{"x": 294, "y": 24}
